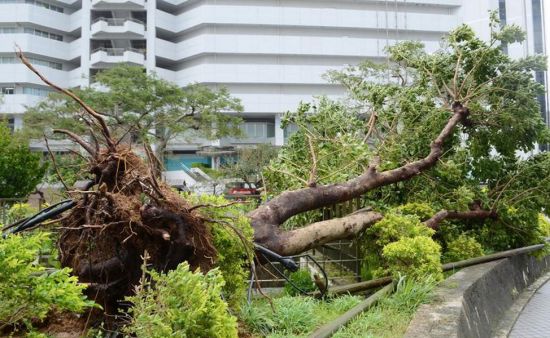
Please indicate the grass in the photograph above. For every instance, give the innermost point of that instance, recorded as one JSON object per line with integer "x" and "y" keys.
{"x": 391, "y": 316}
{"x": 293, "y": 316}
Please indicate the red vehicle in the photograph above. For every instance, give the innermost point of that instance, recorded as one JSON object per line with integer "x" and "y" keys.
{"x": 241, "y": 188}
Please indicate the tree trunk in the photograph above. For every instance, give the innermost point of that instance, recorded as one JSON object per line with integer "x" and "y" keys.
{"x": 268, "y": 217}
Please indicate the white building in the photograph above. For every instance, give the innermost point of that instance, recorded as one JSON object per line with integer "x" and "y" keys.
{"x": 270, "y": 53}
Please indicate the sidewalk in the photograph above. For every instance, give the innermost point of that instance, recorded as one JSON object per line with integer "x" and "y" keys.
{"x": 534, "y": 319}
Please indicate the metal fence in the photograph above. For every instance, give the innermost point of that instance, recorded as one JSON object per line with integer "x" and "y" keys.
{"x": 341, "y": 260}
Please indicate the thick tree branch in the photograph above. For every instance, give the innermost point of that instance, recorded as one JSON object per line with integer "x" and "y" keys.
{"x": 78, "y": 140}
{"x": 299, "y": 240}
{"x": 267, "y": 218}
{"x": 460, "y": 215}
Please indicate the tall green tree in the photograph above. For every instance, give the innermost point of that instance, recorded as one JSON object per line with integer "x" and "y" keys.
{"x": 141, "y": 107}
{"x": 250, "y": 163}
{"x": 20, "y": 169}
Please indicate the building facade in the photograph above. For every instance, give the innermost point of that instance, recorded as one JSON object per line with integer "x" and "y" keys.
{"x": 272, "y": 54}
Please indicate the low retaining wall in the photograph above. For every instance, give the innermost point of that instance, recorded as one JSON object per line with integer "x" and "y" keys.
{"x": 472, "y": 302}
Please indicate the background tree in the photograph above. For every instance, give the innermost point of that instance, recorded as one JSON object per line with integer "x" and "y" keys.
{"x": 141, "y": 107}
{"x": 20, "y": 169}
{"x": 250, "y": 162}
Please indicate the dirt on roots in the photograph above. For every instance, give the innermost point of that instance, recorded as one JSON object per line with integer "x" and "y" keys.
{"x": 104, "y": 237}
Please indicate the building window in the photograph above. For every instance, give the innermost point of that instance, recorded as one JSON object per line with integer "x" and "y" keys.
{"x": 8, "y": 30}
{"x": 258, "y": 130}
{"x": 8, "y": 90}
{"x": 36, "y": 91}
{"x": 7, "y": 59}
{"x": 11, "y": 124}
{"x": 43, "y": 34}
{"x": 502, "y": 17}
{"x": 35, "y": 61}
{"x": 45, "y": 5}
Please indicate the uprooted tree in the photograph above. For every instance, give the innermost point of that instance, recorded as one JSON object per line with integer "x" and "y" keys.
{"x": 467, "y": 108}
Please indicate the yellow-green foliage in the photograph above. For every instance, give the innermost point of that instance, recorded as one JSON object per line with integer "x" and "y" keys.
{"x": 396, "y": 231}
{"x": 19, "y": 211}
{"x": 421, "y": 210}
{"x": 395, "y": 226}
{"x": 414, "y": 257}
{"x": 233, "y": 253}
{"x": 544, "y": 225}
{"x": 27, "y": 291}
{"x": 462, "y": 247}
{"x": 180, "y": 303}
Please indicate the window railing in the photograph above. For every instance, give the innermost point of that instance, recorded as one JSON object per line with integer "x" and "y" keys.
{"x": 119, "y": 51}
{"x": 118, "y": 21}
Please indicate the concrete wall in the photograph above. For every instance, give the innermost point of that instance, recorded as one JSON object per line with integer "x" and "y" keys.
{"x": 472, "y": 302}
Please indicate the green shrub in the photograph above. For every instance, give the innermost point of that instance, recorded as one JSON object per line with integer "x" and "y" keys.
{"x": 19, "y": 211}
{"x": 422, "y": 210}
{"x": 462, "y": 247}
{"x": 180, "y": 303}
{"x": 233, "y": 253}
{"x": 301, "y": 279}
{"x": 394, "y": 227}
{"x": 414, "y": 257}
{"x": 27, "y": 291}
{"x": 544, "y": 225}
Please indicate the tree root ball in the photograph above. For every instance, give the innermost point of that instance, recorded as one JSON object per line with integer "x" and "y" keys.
{"x": 105, "y": 237}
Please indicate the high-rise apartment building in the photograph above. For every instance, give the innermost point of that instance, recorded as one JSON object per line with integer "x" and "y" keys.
{"x": 270, "y": 53}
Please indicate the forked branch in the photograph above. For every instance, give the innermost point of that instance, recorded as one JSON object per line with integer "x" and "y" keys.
{"x": 104, "y": 129}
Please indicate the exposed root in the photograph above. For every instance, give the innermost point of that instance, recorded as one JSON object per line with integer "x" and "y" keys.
{"x": 104, "y": 237}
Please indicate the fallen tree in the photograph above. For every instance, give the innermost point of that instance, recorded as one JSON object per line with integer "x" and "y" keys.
{"x": 467, "y": 93}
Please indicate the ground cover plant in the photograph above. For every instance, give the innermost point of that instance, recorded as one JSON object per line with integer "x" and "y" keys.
{"x": 391, "y": 316}
{"x": 293, "y": 316}
{"x": 427, "y": 142}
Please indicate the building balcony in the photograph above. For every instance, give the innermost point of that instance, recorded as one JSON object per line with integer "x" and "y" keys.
{"x": 108, "y": 57}
{"x": 118, "y": 4}
{"x": 113, "y": 28}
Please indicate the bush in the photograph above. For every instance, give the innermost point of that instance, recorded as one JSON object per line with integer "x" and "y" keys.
{"x": 414, "y": 257}
{"x": 301, "y": 279}
{"x": 395, "y": 227}
{"x": 422, "y": 210}
{"x": 27, "y": 291}
{"x": 233, "y": 253}
{"x": 19, "y": 211}
{"x": 462, "y": 247}
{"x": 180, "y": 303}
{"x": 544, "y": 225}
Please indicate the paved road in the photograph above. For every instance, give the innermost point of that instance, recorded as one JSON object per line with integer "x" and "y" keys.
{"x": 534, "y": 320}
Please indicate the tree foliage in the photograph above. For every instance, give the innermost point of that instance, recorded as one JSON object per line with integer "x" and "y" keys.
{"x": 250, "y": 162}
{"x": 141, "y": 106}
{"x": 20, "y": 169}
